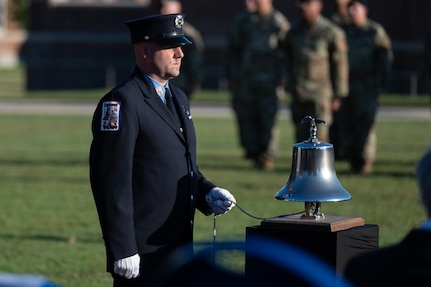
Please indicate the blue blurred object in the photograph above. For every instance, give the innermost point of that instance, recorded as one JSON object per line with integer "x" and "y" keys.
{"x": 280, "y": 264}
{"x": 24, "y": 280}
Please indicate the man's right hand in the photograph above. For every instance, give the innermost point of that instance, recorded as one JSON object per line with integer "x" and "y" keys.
{"x": 128, "y": 267}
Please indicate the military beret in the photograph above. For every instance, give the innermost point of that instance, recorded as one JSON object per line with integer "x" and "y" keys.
{"x": 161, "y": 29}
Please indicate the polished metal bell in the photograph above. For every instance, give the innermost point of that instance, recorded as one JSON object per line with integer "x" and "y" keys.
{"x": 313, "y": 178}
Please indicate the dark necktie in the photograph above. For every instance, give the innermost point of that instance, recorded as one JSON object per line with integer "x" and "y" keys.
{"x": 170, "y": 103}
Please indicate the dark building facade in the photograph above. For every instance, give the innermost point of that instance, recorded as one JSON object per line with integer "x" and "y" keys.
{"x": 85, "y": 44}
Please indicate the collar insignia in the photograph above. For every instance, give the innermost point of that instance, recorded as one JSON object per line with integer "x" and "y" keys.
{"x": 159, "y": 91}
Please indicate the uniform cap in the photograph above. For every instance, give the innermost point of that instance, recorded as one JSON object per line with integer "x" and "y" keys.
{"x": 161, "y": 29}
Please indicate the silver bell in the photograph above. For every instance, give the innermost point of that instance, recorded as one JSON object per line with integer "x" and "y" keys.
{"x": 312, "y": 178}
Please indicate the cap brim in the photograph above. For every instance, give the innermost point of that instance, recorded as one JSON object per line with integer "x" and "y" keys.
{"x": 178, "y": 41}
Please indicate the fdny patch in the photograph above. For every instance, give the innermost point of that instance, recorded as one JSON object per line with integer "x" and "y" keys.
{"x": 110, "y": 116}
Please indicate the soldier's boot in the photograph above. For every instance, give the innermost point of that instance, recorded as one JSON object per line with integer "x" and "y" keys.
{"x": 267, "y": 162}
{"x": 367, "y": 168}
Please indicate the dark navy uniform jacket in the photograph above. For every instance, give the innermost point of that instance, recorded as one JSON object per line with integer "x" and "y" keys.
{"x": 143, "y": 172}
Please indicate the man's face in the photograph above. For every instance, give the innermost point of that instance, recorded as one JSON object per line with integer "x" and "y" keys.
{"x": 164, "y": 62}
{"x": 342, "y": 3}
{"x": 263, "y": 5}
{"x": 310, "y": 8}
{"x": 250, "y": 5}
{"x": 358, "y": 12}
{"x": 171, "y": 7}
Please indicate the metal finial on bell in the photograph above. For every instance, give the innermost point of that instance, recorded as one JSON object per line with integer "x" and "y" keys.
{"x": 313, "y": 127}
{"x": 313, "y": 179}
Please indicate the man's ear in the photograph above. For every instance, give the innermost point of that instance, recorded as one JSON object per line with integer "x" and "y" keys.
{"x": 142, "y": 50}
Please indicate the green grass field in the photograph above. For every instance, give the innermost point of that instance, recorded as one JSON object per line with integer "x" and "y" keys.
{"x": 48, "y": 220}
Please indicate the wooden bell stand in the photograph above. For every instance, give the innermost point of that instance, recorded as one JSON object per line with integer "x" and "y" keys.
{"x": 335, "y": 239}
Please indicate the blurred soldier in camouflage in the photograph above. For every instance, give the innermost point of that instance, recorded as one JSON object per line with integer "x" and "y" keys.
{"x": 254, "y": 71}
{"x": 317, "y": 67}
{"x": 341, "y": 15}
{"x": 191, "y": 74}
{"x": 370, "y": 59}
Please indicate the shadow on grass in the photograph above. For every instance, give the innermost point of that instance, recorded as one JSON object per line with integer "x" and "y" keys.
{"x": 384, "y": 168}
{"x": 45, "y": 178}
{"x": 39, "y": 162}
{"x": 52, "y": 238}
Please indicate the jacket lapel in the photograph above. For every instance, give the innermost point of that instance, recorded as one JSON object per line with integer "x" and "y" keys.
{"x": 183, "y": 113}
{"x": 154, "y": 102}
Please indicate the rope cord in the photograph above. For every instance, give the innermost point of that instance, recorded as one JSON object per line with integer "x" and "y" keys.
{"x": 246, "y": 213}
{"x": 214, "y": 237}
{"x": 263, "y": 218}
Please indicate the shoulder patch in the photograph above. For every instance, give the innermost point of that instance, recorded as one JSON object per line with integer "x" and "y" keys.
{"x": 110, "y": 116}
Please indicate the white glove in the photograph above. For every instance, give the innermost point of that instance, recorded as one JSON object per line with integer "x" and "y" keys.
{"x": 128, "y": 267}
{"x": 220, "y": 200}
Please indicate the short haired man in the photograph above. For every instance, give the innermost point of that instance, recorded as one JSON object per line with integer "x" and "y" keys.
{"x": 143, "y": 171}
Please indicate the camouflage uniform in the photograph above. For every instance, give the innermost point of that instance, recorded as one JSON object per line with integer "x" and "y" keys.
{"x": 316, "y": 59}
{"x": 254, "y": 71}
{"x": 370, "y": 58}
{"x": 191, "y": 74}
{"x": 340, "y": 20}
{"x": 335, "y": 136}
